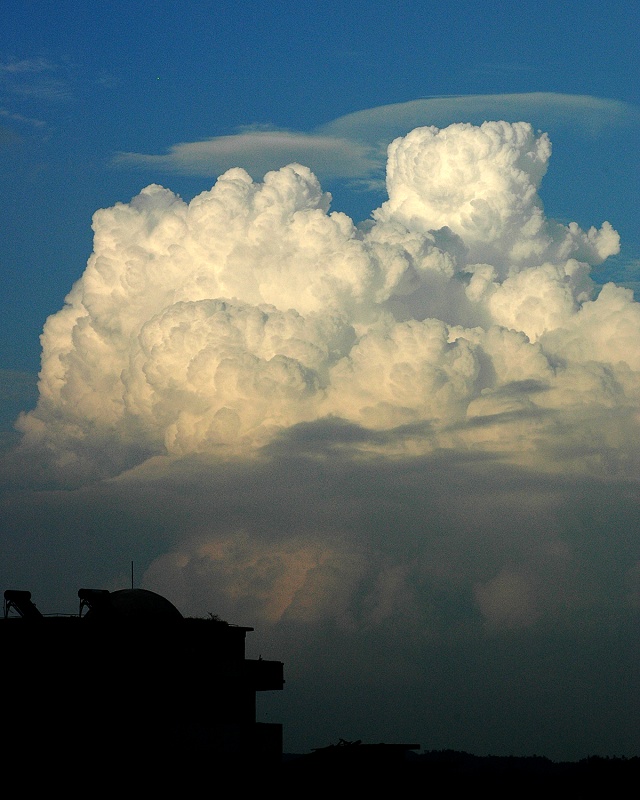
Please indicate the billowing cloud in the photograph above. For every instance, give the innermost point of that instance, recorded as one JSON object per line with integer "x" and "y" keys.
{"x": 219, "y": 323}
{"x": 417, "y": 435}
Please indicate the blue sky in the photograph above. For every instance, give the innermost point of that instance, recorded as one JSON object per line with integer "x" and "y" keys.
{"x": 81, "y": 83}
{"x": 400, "y": 440}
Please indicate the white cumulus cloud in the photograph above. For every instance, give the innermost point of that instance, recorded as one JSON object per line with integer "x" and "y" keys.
{"x": 215, "y": 325}
{"x": 406, "y": 451}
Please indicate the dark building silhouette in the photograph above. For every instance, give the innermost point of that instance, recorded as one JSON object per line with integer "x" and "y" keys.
{"x": 129, "y": 677}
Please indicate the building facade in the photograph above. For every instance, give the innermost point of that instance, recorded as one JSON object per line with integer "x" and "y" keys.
{"x": 130, "y": 677}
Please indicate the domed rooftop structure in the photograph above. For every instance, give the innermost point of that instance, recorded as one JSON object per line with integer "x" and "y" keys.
{"x": 128, "y": 605}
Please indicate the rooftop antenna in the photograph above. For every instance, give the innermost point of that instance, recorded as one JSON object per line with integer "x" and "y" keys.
{"x": 132, "y": 574}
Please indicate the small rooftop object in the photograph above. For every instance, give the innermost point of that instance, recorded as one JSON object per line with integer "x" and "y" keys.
{"x": 21, "y": 602}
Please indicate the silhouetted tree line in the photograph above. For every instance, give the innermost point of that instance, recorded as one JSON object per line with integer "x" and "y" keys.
{"x": 451, "y": 769}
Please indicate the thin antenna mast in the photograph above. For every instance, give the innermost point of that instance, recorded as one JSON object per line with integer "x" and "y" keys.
{"x": 132, "y": 574}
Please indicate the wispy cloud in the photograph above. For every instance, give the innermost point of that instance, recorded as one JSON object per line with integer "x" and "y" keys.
{"x": 27, "y": 65}
{"x": 34, "y": 78}
{"x": 9, "y": 115}
{"x": 354, "y": 146}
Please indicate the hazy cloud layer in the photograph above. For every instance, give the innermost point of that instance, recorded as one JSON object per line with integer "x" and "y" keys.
{"x": 406, "y": 452}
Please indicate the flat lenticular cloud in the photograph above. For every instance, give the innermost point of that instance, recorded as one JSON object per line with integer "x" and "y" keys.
{"x": 260, "y": 151}
{"x": 400, "y": 437}
{"x": 546, "y": 110}
{"x": 353, "y": 147}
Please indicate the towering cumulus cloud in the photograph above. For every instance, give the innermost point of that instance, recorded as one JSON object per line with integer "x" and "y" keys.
{"x": 214, "y": 326}
{"x": 386, "y": 445}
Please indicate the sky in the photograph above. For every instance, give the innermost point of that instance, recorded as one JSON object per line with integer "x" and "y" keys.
{"x": 326, "y": 317}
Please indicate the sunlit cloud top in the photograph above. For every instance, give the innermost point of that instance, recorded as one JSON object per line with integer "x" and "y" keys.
{"x": 216, "y": 325}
